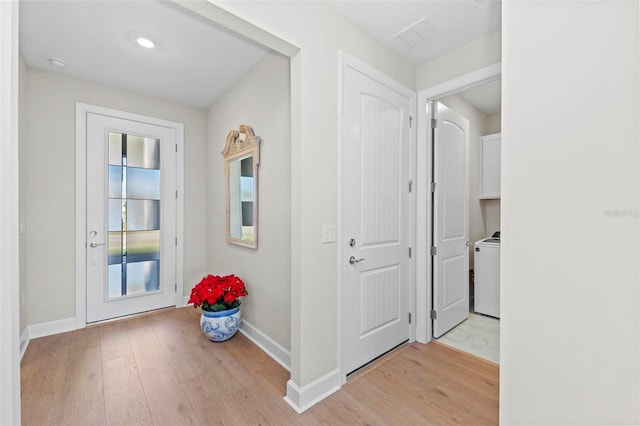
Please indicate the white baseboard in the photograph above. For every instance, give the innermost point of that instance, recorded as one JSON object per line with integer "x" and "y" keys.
{"x": 51, "y": 327}
{"x": 301, "y": 399}
{"x": 45, "y": 329}
{"x": 24, "y": 342}
{"x": 268, "y": 345}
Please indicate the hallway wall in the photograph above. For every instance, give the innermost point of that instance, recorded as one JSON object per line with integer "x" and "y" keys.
{"x": 261, "y": 99}
{"x": 570, "y": 329}
{"x": 321, "y": 33}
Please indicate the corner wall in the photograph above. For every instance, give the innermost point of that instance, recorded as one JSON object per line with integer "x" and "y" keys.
{"x": 261, "y": 99}
{"x": 570, "y": 326}
{"x": 320, "y": 32}
{"x": 22, "y": 185}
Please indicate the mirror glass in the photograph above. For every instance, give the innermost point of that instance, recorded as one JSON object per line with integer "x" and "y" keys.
{"x": 241, "y": 155}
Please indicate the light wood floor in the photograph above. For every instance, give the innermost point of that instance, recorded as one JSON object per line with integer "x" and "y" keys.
{"x": 161, "y": 370}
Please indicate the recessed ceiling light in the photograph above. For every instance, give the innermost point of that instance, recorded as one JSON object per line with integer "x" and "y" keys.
{"x": 145, "y": 42}
{"x": 56, "y": 62}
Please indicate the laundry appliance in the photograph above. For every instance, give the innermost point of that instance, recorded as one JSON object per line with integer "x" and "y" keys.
{"x": 486, "y": 257}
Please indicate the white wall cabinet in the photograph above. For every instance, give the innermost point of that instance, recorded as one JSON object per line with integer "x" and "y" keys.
{"x": 489, "y": 168}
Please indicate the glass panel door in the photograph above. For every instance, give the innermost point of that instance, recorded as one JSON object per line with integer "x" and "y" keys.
{"x": 131, "y": 217}
{"x": 134, "y": 215}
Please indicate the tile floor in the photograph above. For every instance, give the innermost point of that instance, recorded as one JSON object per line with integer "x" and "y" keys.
{"x": 478, "y": 335}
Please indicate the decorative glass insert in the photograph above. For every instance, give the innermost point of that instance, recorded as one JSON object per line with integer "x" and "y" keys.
{"x": 133, "y": 215}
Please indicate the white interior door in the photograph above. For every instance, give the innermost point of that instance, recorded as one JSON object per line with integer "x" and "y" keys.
{"x": 131, "y": 217}
{"x": 376, "y": 145}
{"x": 450, "y": 219}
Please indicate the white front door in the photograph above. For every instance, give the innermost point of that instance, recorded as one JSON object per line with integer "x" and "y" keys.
{"x": 376, "y": 148}
{"x": 131, "y": 216}
{"x": 450, "y": 141}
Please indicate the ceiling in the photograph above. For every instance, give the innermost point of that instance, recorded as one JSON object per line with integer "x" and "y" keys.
{"x": 422, "y": 30}
{"x": 195, "y": 60}
{"x": 486, "y": 97}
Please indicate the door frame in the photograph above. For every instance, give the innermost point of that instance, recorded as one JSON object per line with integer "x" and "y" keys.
{"x": 9, "y": 216}
{"x": 423, "y": 236}
{"x": 348, "y": 61}
{"x": 81, "y": 199}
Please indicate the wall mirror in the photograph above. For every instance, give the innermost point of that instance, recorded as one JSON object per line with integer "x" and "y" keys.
{"x": 241, "y": 159}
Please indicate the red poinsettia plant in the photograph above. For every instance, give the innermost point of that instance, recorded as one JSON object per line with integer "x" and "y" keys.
{"x": 218, "y": 293}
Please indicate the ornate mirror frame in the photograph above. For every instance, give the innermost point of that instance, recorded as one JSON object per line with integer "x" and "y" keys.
{"x": 241, "y": 159}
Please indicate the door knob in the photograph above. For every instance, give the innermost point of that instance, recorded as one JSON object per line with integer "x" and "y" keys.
{"x": 353, "y": 260}
{"x": 94, "y": 244}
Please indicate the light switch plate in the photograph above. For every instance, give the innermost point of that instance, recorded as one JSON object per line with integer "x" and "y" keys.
{"x": 328, "y": 233}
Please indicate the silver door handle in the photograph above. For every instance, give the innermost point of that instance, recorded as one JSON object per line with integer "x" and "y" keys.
{"x": 353, "y": 260}
{"x": 94, "y": 244}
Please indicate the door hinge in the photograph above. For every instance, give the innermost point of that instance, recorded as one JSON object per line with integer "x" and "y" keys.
{"x": 176, "y": 241}
{"x": 433, "y": 186}
{"x": 434, "y": 250}
{"x": 176, "y": 288}
{"x": 410, "y": 186}
{"x": 434, "y": 314}
{"x": 176, "y": 147}
{"x": 410, "y": 121}
{"x": 176, "y": 194}
{"x": 409, "y": 252}
{"x": 409, "y": 317}
{"x": 434, "y": 123}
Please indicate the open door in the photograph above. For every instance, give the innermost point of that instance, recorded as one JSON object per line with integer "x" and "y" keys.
{"x": 450, "y": 232}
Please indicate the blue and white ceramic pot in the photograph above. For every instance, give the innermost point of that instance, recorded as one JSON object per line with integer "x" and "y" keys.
{"x": 221, "y": 325}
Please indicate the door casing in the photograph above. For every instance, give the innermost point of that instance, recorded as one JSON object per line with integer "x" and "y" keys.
{"x": 81, "y": 190}
{"x": 423, "y": 196}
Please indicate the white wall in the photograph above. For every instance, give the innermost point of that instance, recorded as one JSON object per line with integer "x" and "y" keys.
{"x": 494, "y": 123}
{"x": 570, "y": 332}
{"x": 320, "y": 32}
{"x": 9, "y": 214}
{"x": 478, "y": 122}
{"x": 477, "y": 54}
{"x": 50, "y": 185}
{"x": 261, "y": 99}
{"x": 22, "y": 184}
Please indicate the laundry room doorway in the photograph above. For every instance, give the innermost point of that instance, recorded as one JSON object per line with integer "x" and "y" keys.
{"x": 450, "y": 215}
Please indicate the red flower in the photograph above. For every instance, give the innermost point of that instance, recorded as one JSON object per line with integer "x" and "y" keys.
{"x": 216, "y": 293}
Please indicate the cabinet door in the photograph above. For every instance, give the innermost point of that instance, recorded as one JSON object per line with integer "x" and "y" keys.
{"x": 489, "y": 171}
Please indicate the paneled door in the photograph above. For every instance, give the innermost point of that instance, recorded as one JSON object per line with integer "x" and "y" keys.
{"x": 131, "y": 217}
{"x": 376, "y": 148}
{"x": 450, "y": 253}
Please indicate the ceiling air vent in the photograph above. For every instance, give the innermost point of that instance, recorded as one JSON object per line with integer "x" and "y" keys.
{"x": 417, "y": 33}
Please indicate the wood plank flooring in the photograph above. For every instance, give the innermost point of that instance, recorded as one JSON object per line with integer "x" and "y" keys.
{"x": 161, "y": 370}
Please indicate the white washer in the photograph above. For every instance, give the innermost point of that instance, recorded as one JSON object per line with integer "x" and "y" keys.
{"x": 486, "y": 257}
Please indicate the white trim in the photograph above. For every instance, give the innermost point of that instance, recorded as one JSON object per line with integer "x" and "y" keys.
{"x": 81, "y": 199}
{"x": 52, "y": 327}
{"x": 81, "y": 216}
{"x": 348, "y": 61}
{"x": 303, "y": 398}
{"x": 423, "y": 156}
{"x": 24, "y": 342}
{"x": 268, "y": 345}
{"x": 465, "y": 81}
{"x": 45, "y": 329}
{"x": 9, "y": 222}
